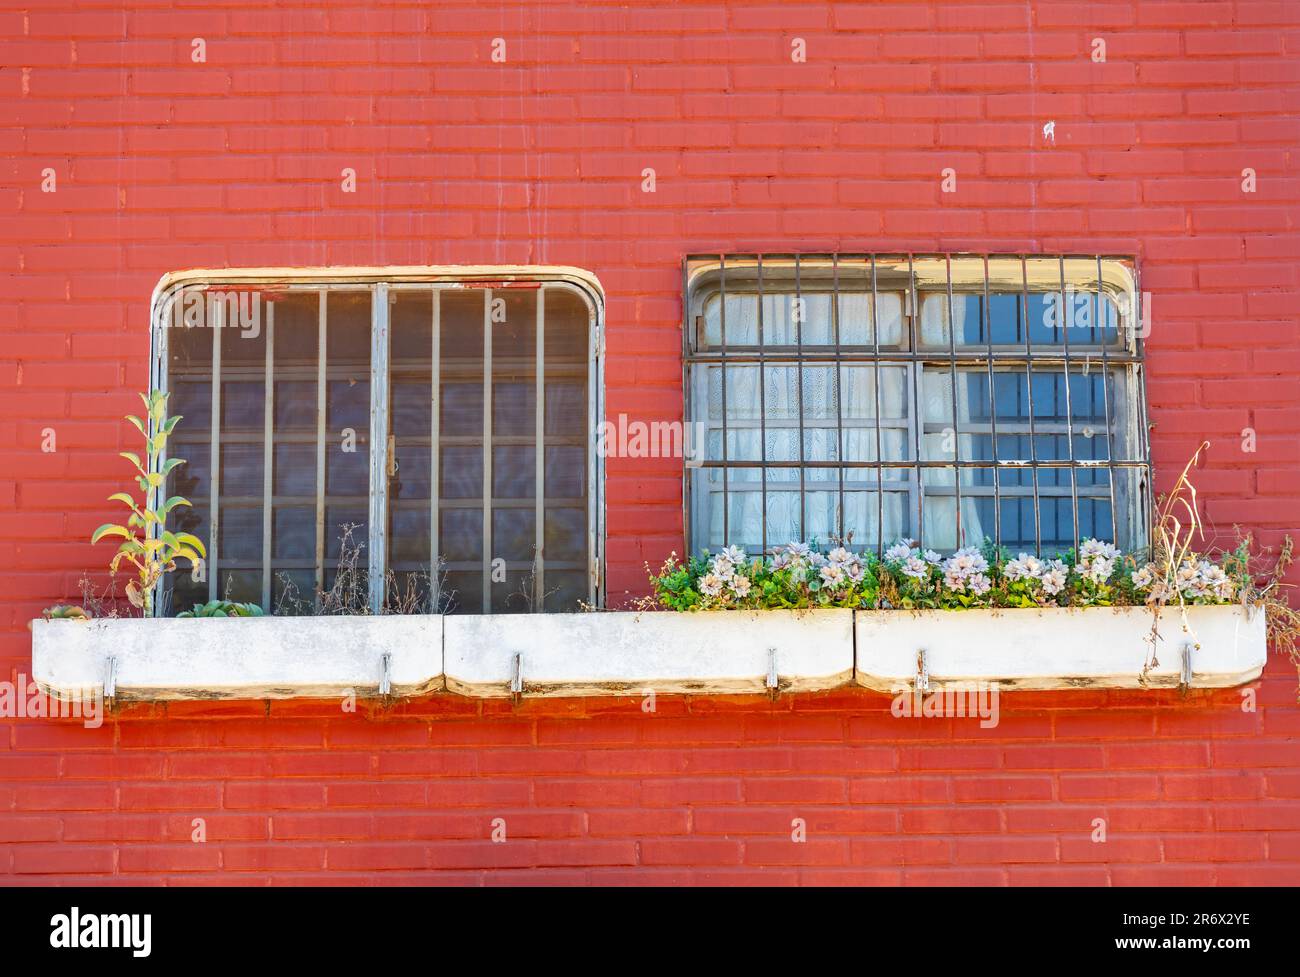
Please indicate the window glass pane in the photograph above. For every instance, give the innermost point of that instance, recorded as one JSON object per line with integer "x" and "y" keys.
{"x": 295, "y": 469}
{"x": 411, "y": 399}
{"x": 294, "y": 533}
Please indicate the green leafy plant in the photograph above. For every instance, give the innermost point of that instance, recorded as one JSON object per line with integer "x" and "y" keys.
{"x": 147, "y": 544}
{"x": 65, "y": 612}
{"x": 224, "y": 608}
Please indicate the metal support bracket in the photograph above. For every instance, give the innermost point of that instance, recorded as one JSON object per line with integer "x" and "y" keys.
{"x": 922, "y": 672}
{"x": 517, "y": 676}
{"x": 110, "y": 678}
{"x": 773, "y": 680}
{"x": 1185, "y": 676}
{"x": 386, "y": 674}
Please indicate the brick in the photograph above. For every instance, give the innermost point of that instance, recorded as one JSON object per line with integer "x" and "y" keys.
{"x": 539, "y": 160}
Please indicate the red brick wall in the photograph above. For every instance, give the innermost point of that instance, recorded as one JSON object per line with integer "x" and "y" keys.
{"x": 162, "y": 164}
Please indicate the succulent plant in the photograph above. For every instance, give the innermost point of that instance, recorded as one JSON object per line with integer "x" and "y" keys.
{"x": 224, "y": 608}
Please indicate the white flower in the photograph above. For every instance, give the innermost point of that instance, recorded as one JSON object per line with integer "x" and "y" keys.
{"x": 793, "y": 555}
{"x": 839, "y": 555}
{"x": 1098, "y": 569}
{"x": 723, "y": 567}
{"x": 961, "y": 566}
{"x": 832, "y": 575}
{"x": 932, "y": 558}
{"x": 900, "y": 551}
{"x": 1143, "y": 577}
{"x": 1023, "y": 567}
{"x": 979, "y": 583}
{"x": 740, "y": 585}
{"x": 735, "y": 555}
{"x": 1214, "y": 580}
{"x": 1054, "y": 577}
{"x": 711, "y": 585}
{"x": 1189, "y": 580}
{"x": 916, "y": 568}
{"x": 1093, "y": 548}
{"x": 1218, "y": 581}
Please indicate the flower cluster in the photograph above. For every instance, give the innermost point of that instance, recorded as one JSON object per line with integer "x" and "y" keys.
{"x": 800, "y": 575}
{"x": 1195, "y": 582}
{"x": 912, "y": 562}
{"x": 1097, "y": 561}
{"x": 966, "y": 572}
{"x": 729, "y": 576}
{"x": 1035, "y": 577}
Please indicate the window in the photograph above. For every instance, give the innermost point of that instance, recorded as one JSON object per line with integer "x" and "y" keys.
{"x": 942, "y": 398}
{"x": 441, "y": 418}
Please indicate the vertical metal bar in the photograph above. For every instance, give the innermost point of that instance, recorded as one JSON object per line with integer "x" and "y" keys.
{"x": 435, "y": 452}
{"x": 839, "y": 383}
{"x": 1105, "y": 401}
{"x": 487, "y": 450}
{"x": 690, "y": 476}
{"x": 917, "y": 374}
{"x": 952, "y": 372}
{"x": 1029, "y": 387}
{"x": 379, "y": 317}
{"x": 1069, "y": 414}
{"x": 321, "y": 388}
{"x": 539, "y": 565}
{"x": 158, "y": 354}
{"x": 595, "y": 461}
{"x": 1137, "y": 376}
{"x": 880, "y": 456}
{"x": 217, "y": 322}
{"x": 762, "y": 409}
{"x": 722, "y": 313}
{"x": 798, "y": 337}
{"x": 993, "y": 411}
{"x": 268, "y": 454}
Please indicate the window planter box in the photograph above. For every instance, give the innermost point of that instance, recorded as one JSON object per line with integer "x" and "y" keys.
{"x": 238, "y": 658}
{"x": 615, "y": 652}
{"x": 1060, "y": 647}
{"x": 621, "y": 653}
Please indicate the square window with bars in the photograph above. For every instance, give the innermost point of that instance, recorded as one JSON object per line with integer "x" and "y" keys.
{"x": 942, "y": 398}
{"x": 437, "y": 431}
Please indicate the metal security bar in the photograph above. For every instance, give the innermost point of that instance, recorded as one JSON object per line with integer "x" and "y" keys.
{"x": 945, "y": 398}
{"x": 257, "y": 477}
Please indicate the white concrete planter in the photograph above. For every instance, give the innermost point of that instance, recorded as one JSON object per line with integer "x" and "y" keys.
{"x": 620, "y": 653}
{"x": 238, "y": 658}
{"x": 614, "y": 652}
{"x": 1060, "y": 648}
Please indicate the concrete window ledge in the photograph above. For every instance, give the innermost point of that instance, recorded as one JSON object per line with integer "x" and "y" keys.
{"x": 621, "y": 653}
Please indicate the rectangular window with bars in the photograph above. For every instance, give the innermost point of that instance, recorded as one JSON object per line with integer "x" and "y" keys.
{"x": 942, "y": 398}
{"x": 441, "y": 421}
